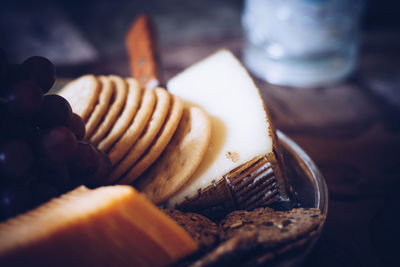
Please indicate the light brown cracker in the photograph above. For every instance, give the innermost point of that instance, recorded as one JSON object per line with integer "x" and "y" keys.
{"x": 129, "y": 111}
{"x": 82, "y": 94}
{"x": 149, "y": 133}
{"x": 120, "y": 92}
{"x": 128, "y": 139}
{"x": 159, "y": 144}
{"x": 101, "y": 107}
{"x": 180, "y": 159}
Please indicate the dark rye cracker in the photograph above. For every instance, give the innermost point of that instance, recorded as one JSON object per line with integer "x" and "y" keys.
{"x": 200, "y": 228}
{"x": 261, "y": 236}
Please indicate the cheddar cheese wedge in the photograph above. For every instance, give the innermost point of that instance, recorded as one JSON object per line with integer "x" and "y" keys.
{"x": 108, "y": 226}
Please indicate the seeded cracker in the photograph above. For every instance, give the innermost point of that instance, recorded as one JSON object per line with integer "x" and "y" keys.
{"x": 264, "y": 234}
{"x": 180, "y": 159}
{"x": 200, "y": 228}
{"x": 82, "y": 94}
{"x": 120, "y": 92}
{"x": 102, "y": 106}
{"x": 126, "y": 141}
{"x": 158, "y": 145}
{"x": 131, "y": 105}
{"x": 149, "y": 133}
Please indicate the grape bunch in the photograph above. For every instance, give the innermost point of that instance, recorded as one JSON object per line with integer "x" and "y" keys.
{"x": 42, "y": 152}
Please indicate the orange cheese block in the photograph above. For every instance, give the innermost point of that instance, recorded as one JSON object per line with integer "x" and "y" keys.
{"x": 108, "y": 226}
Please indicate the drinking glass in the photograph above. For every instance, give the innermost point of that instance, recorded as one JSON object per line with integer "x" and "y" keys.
{"x": 301, "y": 43}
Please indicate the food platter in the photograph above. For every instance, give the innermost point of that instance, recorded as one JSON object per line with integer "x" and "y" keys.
{"x": 309, "y": 189}
{"x": 259, "y": 216}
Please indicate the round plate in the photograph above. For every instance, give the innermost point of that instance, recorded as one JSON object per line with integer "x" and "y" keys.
{"x": 309, "y": 187}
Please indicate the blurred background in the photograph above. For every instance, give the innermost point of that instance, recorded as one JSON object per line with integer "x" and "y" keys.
{"x": 351, "y": 128}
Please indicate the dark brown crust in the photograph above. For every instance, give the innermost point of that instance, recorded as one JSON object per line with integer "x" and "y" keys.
{"x": 201, "y": 229}
{"x": 250, "y": 185}
{"x": 263, "y": 236}
{"x": 276, "y": 157}
{"x": 253, "y": 184}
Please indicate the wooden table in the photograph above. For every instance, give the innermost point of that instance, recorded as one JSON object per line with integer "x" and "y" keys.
{"x": 351, "y": 130}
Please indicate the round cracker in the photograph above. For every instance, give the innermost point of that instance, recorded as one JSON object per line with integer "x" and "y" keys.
{"x": 100, "y": 109}
{"x": 82, "y": 94}
{"x": 120, "y": 92}
{"x": 130, "y": 108}
{"x": 149, "y": 133}
{"x": 180, "y": 159}
{"x": 159, "y": 144}
{"x": 122, "y": 146}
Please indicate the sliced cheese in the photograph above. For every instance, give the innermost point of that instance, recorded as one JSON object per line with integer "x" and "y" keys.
{"x": 240, "y": 126}
{"x": 108, "y": 226}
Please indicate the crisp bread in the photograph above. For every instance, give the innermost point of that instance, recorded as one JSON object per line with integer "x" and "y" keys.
{"x": 180, "y": 159}
{"x": 149, "y": 133}
{"x": 131, "y": 105}
{"x": 119, "y": 97}
{"x": 82, "y": 94}
{"x": 200, "y": 228}
{"x": 128, "y": 139}
{"x": 101, "y": 107}
{"x": 259, "y": 237}
{"x": 158, "y": 145}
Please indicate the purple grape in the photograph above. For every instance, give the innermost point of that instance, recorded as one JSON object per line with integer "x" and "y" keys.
{"x": 55, "y": 110}
{"x": 15, "y": 74}
{"x": 77, "y": 126}
{"x": 41, "y": 71}
{"x": 24, "y": 99}
{"x": 85, "y": 162}
{"x": 16, "y": 158}
{"x": 14, "y": 199}
{"x": 100, "y": 177}
{"x": 11, "y": 127}
{"x": 59, "y": 144}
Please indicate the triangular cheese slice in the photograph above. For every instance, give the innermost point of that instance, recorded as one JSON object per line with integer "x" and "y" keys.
{"x": 242, "y": 135}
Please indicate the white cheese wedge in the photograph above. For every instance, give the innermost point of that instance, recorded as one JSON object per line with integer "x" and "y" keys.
{"x": 240, "y": 126}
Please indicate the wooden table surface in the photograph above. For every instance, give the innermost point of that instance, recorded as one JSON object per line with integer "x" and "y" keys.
{"x": 351, "y": 129}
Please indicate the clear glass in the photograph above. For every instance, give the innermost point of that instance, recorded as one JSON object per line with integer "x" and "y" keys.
{"x": 301, "y": 42}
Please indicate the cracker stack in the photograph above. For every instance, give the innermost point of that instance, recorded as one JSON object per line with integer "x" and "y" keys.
{"x": 165, "y": 144}
{"x": 137, "y": 127}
